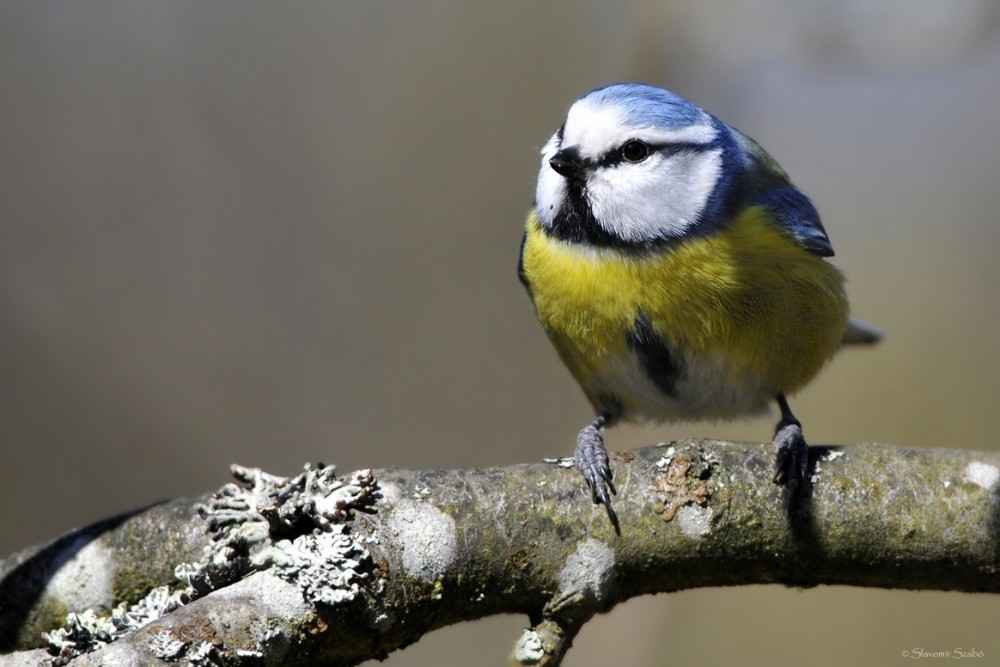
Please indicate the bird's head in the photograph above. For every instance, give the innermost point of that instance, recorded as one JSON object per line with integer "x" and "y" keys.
{"x": 631, "y": 165}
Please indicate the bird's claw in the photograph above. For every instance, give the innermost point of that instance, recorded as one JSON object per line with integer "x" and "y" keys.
{"x": 592, "y": 460}
{"x": 791, "y": 465}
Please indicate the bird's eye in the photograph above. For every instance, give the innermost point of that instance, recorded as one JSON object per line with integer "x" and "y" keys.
{"x": 635, "y": 151}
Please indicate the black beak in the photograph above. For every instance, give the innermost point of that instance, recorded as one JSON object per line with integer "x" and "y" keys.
{"x": 568, "y": 163}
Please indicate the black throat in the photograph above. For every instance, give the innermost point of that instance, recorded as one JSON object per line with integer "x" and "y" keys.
{"x": 575, "y": 221}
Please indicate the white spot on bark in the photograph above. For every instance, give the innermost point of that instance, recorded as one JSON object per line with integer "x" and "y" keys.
{"x": 84, "y": 580}
{"x": 428, "y": 538}
{"x": 588, "y": 570}
{"x": 982, "y": 474}
{"x": 528, "y": 650}
{"x": 388, "y": 494}
{"x": 694, "y": 520}
{"x": 666, "y": 459}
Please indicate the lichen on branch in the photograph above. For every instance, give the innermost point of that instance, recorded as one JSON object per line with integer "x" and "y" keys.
{"x": 327, "y": 569}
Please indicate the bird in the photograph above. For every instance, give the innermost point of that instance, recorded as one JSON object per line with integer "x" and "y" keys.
{"x": 679, "y": 274}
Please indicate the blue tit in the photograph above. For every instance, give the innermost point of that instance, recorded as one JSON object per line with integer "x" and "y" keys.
{"x": 679, "y": 273}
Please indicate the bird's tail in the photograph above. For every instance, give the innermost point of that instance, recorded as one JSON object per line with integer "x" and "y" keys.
{"x": 860, "y": 333}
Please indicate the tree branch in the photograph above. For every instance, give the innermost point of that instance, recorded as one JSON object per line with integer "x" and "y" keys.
{"x": 327, "y": 570}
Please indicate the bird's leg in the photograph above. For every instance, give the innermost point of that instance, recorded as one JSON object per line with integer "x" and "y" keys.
{"x": 792, "y": 462}
{"x": 592, "y": 460}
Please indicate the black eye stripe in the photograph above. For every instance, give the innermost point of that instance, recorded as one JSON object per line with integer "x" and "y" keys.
{"x": 614, "y": 157}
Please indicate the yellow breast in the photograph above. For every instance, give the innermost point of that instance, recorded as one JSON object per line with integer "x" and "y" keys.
{"x": 747, "y": 300}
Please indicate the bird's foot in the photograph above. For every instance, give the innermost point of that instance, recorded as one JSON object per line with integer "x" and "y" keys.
{"x": 791, "y": 466}
{"x": 592, "y": 460}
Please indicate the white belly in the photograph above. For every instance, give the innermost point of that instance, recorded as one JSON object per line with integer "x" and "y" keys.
{"x": 707, "y": 389}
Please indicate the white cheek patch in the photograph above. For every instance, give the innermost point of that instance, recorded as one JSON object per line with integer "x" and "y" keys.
{"x": 660, "y": 197}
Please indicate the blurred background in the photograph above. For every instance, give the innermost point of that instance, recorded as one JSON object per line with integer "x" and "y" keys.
{"x": 272, "y": 233}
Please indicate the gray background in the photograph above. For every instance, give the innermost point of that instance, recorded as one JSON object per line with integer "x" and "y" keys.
{"x": 272, "y": 233}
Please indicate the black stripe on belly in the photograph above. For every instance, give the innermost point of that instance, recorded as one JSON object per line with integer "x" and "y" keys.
{"x": 659, "y": 362}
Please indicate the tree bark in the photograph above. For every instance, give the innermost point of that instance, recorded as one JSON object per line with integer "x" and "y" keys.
{"x": 326, "y": 570}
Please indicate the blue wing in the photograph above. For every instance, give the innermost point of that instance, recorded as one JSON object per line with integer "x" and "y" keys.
{"x": 789, "y": 206}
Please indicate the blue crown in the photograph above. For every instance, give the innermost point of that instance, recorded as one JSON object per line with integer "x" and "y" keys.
{"x": 647, "y": 105}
